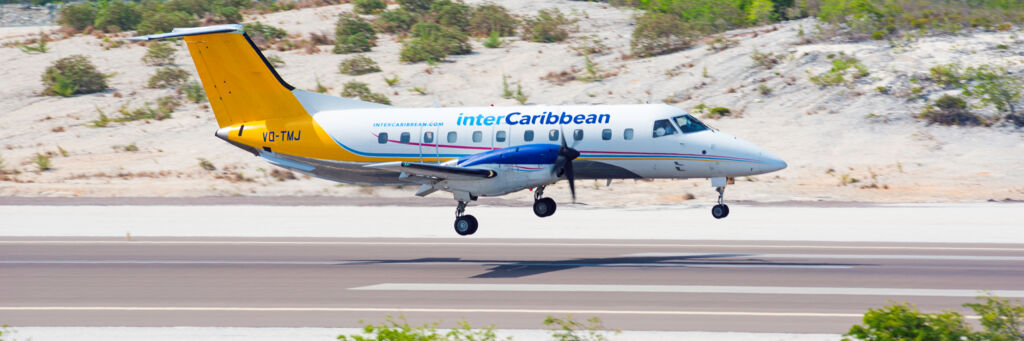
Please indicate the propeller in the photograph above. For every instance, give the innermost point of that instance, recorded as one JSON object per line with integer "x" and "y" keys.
{"x": 563, "y": 165}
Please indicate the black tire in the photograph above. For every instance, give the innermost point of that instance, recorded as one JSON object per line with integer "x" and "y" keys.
{"x": 465, "y": 225}
{"x": 720, "y": 211}
{"x": 544, "y": 207}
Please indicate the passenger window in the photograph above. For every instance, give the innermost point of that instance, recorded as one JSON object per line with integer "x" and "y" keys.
{"x": 663, "y": 128}
{"x": 577, "y": 134}
{"x": 478, "y": 136}
{"x": 500, "y": 136}
{"x": 627, "y": 134}
{"x": 405, "y": 137}
{"x": 382, "y": 138}
{"x": 452, "y": 137}
{"x": 606, "y": 134}
{"x": 553, "y": 135}
{"x": 528, "y": 135}
{"x": 428, "y": 137}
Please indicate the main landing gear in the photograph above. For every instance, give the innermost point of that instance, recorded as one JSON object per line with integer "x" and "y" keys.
{"x": 543, "y": 207}
{"x": 465, "y": 224}
{"x": 721, "y": 210}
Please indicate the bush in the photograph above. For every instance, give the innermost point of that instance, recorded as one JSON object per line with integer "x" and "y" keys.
{"x": 488, "y": 19}
{"x": 842, "y": 66}
{"x": 369, "y": 6}
{"x": 42, "y": 162}
{"x": 858, "y": 18}
{"x": 1002, "y": 320}
{"x": 432, "y": 42}
{"x": 451, "y": 13}
{"x": 493, "y": 41}
{"x": 399, "y": 329}
{"x": 416, "y": 6}
{"x": 660, "y": 33}
{"x": 548, "y": 26}
{"x": 396, "y": 21}
{"x": 704, "y": 16}
{"x": 159, "y": 53}
{"x": 194, "y": 92}
{"x": 995, "y": 86}
{"x": 358, "y": 65}
{"x": 228, "y": 15}
{"x": 117, "y": 16}
{"x": 275, "y": 61}
{"x": 765, "y": 60}
{"x": 354, "y": 89}
{"x": 950, "y": 111}
{"x": 949, "y": 75}
{"x": 353, "y": 34}
{"x": 164, "y": 21}
{"x": 168, "y": 77}
{"x": 262, "y": 34}
{"x": 77, "y": 16}
{"x": 73, "y": 75}
{"x": 905, "y": 322}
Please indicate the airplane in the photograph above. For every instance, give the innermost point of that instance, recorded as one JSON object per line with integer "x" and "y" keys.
{"x": 467, "y": 151}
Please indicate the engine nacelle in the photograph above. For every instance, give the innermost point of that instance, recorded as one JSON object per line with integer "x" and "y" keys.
{"x": 518, "y": 168}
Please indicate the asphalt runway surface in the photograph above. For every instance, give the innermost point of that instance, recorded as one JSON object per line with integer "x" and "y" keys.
{"x": 672, "y": 285}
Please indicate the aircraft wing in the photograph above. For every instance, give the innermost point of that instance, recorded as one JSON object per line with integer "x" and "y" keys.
{"x": 436, "y": 171}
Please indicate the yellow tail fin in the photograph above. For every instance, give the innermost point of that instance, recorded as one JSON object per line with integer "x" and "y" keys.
{"x": 241, "y": 85}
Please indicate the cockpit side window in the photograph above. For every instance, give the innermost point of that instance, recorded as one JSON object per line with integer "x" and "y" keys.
{"x": 663, "y": 128}
{"x": 689, "y": 124}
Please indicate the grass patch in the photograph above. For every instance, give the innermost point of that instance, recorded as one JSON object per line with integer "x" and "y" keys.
{"x": 845, "y": 69}
{"x": 354, "y": 89}
{"x": 358, "y": 65}
{"x": 168, "y": 77}
{"x": 42, "y": 162}
{"x": 194, "y": 92}
{"x": 159, "y": 53}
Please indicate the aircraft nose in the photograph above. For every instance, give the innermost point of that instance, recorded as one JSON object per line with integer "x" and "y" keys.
{"x": 771, "y": 162}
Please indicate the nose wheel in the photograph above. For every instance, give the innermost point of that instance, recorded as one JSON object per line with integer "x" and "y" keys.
{"x": 465, "y": 224}
{"x": 721, "y": 210}
{"x": 543, "y": 207}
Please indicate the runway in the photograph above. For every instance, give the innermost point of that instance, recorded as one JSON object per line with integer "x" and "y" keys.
{"x": 672, "y": 285}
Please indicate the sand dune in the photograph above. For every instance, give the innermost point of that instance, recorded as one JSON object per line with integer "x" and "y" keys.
{"x": 825, "y": 134}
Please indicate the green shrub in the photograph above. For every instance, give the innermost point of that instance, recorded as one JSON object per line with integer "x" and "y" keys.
{"x": 354, "y": 89}
{"x": 168, "y": 103}
{"x": 73, "y": 75}
{"x": 228, "y": 15}
{"x": 395, "y": 21}
{"x": 159, "y": 53}
{"x": 168, "y": 77}
{"x": 143, "y": 113}
{"x": 764, "y": 90}
{"x": 400, "y": 329}
{"x": 548, "y": 26}
{"x": 358, "y": 65}
{"x": 100, "y": 122}
{"x": 659, "y": 33}
{"x": 39, "y": 47}
{"x": 765, "y": 60}
{"x": 568, "y": 329}
{"x": 207, "y": 165}
{"x": 453, "y": 14}
{"x": 489, "y": 18}
{"x": 948, "y": 75}
{"x": 77, "y": 16}
{"x": 858, "y": 18}
{"x": 493, "y": 41}
{"x": 950, "y": 111}
{"x": 42, "y": 162}
{"x": 718, "y": 112}
{"x": 760, "y": 12}
{"x": 416, "y": 6}
{"x": 1001, "y": 319}
{"x": 353, "y": 34}
{"x": 262, "y": 34}
{"x": 117, "y": 16}
{"x": 704, "y": 16}
{"x": 164, "y": 21}
{"x": 391, "y": 81}
{"x": 369, "y": 6}
{"x": 905, "y": 322}
{"x": 432, "y": 42}
{"x": 194, "y": 92}
{"x": 842, "y": 66}
{"x": 995, "y": 86}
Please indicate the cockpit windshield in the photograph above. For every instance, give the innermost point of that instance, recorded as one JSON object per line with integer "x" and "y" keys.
{"x": 689, "y": 124}
{"x": 663, "y": 128}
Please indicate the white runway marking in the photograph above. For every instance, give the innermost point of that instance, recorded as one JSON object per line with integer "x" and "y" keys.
{"x": 439, "y": 310}
{"x": 690, "y": 289}
{"x": 514, "y": 244}
{"x": 839, "y": 256}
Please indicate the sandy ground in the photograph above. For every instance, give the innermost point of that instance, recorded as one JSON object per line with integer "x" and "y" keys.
{"x": 825, "y": 134}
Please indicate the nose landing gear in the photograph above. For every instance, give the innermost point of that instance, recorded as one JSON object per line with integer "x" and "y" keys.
{"x": 721, "y": 210}
{"x": 465, "y": 224}
{"x": 543, "y": 207}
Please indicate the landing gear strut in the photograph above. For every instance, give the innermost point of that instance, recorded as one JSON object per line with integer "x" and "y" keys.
{"x": 543, "y": 207}
{"x": 721, "y": 210}
{"x": 465, "y": 224}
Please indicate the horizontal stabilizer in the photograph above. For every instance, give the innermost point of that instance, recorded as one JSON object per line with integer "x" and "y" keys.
{"x": 436, "y": 171}
{"x": 191, "y": 31}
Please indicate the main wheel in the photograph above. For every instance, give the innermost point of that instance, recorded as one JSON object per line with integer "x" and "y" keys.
{"x": 465, "y": 225}
{"x": 720, "y": 211}
{"x": 544, "y": 207}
